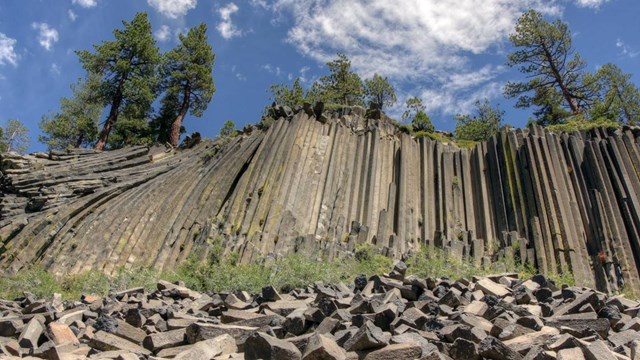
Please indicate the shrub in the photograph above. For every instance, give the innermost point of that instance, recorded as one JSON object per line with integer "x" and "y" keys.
{"x": 482, "y": 125}
{"x": 134, "y": 277}
{"x": 422, "y": 122}
{"x": 407, "y": 129}
{"x": 466, "y": 144}
{"x": 563, "y": 278}
{"x": 295, "y": 271}
{"x": 34, "y": 280}
{"x": 579, "y": 123}
{"x": 369, "y": 261}
{"x": 89, "y": 282}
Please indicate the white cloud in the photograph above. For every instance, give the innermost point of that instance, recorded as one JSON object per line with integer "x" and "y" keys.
{"x": 626, "y": 50}
{"x": 173, "y": 9}
{"x": 425, "y": 45}
{"x": 272, "y": 69}
{"x": 166, "y": 33}
{"x": 7, "y": 50}
{"x": 47, "y": 36}
{"x": 55, "y": 69}
{"x": 594, "y": 4}
{"x": 304, "y": 79}
{"x": 260, "y": 3}
{"x": 163, "y": 33}
{"x": 72, "y": 15}
{"x": 240, "y": 76}
{"x": 85, "y": 3}
{"x": 226, "y": 27}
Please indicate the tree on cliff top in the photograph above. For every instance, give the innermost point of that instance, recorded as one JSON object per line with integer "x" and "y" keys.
{"x": 482, "y": 125}
{"x": 379, "y": 90}
{"x": 228, "y": 129}
{"x": 420, "y": 121}
{"x": 619, "y": 98}
{"x": 76, "y": 124}
{"x": 342, "y": 86}
{"x": 127, "y": 69}
{"x": 545, "y": 53}
{"x": 186, "y": 71}
{"x": 288, "y": 96}
{"x": 14, "y": 137}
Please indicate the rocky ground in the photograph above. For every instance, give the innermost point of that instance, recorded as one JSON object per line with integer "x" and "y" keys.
{"x": 384, "y": 317}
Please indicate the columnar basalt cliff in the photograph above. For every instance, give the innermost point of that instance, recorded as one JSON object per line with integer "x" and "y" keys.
{"x": 321, "y": 186}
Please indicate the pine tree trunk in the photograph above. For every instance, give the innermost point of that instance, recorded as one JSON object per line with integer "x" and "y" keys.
{"x": 79, "y": 141}
{"x": 573, "y": 103}
{"x": 174, "y": 134}
{"x": 111, "y": 120}
{"x": 568, "y": 96}
{"x": 10, "y": 142}
{"x": 108, "y": 125}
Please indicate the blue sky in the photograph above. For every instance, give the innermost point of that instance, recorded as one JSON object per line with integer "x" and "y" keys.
{"x": 447, "y": 52}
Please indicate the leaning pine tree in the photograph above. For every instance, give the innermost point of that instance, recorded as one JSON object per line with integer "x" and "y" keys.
{"x": 187, "y": 78}
{"x": 545, "y": 53}
{"x": 127, "y": 71}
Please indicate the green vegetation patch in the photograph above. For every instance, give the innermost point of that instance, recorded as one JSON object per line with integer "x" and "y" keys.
{"x": 220, "y": 274}
{"x": 579, "y": 124}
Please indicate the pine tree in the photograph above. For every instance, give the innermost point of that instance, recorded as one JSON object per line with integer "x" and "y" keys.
{"x": 187, "y": 78}
{"x": 15, "y": 136}
{"x": 546, "y": 55}
{"x": 228, "y": 129}
{"x": 127, "y": 70}
{"x": 288, "y": 96}
{"x": 482, "y": 125}
{"x": 379, "y": 90}
{"x": 342, "y": 86}
{"x": 76, "y": 125}
{"x": 420, "y": 121}
{"x": 550, "y": 107}
{"x": 160, "y": 125}
{"x": 619, "y": 98}
{"x": 130, "y": 131}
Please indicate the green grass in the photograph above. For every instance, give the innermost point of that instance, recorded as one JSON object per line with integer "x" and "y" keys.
{"x": 220, "y": 273}
{"x": 467, "y": 144}
{"x": 565, "y": 278}
{"x": 579, "y": 124}
{"x": 35, "y": 280}
{"x": 438, "y": 263}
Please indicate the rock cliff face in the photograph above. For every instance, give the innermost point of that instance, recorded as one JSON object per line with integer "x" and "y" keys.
{"x": 560, "y": 202}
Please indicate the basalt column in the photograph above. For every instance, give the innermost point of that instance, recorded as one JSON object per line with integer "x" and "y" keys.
{"x": 559, "y": 202}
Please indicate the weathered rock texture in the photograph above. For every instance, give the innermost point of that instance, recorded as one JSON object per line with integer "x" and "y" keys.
{"x": 390, "y": 318}
{"x": 561, "y": 202}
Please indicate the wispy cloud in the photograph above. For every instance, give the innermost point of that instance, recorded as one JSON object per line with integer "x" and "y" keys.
{"x": 72, "y": 15}
{"x": 55, "y": 69}
{"x": 226, "y": 27}
{"x": 240, "y": 76}
{"x": 271, "y": 69}
{"x": 85, "y": 3}
{"x": 594, "y": 4}
{"x": 626, "y": 50}
{"x": 173, "y": 9}
{"x": 7, "y": 50}
{"x": 47, "y": 36}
